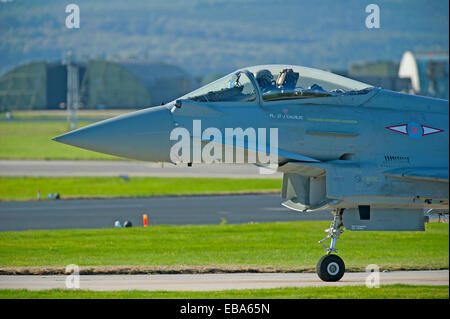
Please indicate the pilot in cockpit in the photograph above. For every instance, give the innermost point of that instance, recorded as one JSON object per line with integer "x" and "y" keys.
{"x": 265, "y": 80}
{"x": 287, "y": 80}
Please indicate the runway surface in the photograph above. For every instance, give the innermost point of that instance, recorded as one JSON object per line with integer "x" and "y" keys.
{"x": 101, "y": 213}
{"x": 130, "y": 168}
{"x": 205, "y": 282}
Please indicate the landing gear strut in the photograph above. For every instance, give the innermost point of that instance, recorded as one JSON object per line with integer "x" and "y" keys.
{"x": 331, "y": 267}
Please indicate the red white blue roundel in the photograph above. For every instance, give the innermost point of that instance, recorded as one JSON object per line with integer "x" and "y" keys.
{"x": 414, "y": 130}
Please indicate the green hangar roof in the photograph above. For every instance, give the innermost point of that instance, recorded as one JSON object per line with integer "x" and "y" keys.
{"x": 42, "y": 85}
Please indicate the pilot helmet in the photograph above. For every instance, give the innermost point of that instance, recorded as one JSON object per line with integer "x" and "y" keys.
{"x": 264, "y": 78}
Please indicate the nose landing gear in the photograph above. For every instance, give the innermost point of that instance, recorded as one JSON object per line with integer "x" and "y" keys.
{"x": 331, "y": 267}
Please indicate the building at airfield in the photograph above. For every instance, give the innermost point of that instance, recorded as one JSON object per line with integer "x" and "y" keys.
{"x": 428, "y": 73}
{"x": 424, "y": 74}
{"x": 101, "y": 84}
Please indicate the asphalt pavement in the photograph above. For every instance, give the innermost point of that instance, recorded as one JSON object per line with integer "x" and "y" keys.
{"x": 182, "y": 210}
{"x": 55, "y": 168}
{"x": 207, "y": 282}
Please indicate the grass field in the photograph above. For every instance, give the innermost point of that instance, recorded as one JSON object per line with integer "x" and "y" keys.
{"x": 25, "y": 188}
{"x": 62, "y": 114}
{"x": 291, "y": 244}
{"x": 358, "y": 292}
{"x": 32, "y": 140}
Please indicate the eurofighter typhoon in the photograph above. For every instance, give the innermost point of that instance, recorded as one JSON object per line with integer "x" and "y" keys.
{"x": 377, "y": 159}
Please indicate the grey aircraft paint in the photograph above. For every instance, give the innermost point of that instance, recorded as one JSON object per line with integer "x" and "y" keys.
{"x": 374, "y": 156}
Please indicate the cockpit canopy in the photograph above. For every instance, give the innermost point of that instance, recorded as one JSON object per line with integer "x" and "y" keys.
{"x": 275, "y": 83}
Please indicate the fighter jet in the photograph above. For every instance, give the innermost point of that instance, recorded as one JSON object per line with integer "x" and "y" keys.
{"x": 376, "y": 158}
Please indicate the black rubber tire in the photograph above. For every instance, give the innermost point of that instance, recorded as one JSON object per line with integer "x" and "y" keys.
{"x": 330, "y": 268}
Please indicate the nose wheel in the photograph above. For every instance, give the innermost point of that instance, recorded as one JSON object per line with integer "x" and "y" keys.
{"x": 331, "y": 267}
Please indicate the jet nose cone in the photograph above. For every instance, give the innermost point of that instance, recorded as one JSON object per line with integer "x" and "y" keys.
{"x": 142, "y": 135}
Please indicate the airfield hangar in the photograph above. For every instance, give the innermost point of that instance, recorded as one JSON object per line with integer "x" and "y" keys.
{"x": 101, "y": 84}
{"x": 380, "y": 74}
{"x": 428, "y": 73}
{"x": 417, "y": 73}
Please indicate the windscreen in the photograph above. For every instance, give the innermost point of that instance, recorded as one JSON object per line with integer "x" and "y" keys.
{"x": 235, "y": 87}
{"x": 278, "y": 82}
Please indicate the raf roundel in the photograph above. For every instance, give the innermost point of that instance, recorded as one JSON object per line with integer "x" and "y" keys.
{"x": 414, "y": 130}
